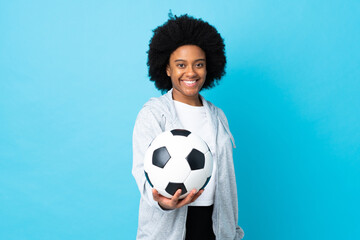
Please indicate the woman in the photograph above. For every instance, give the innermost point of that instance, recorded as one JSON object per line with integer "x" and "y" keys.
{"x": 185, "y": 56}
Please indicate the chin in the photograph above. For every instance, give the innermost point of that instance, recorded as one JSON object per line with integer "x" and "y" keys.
{"x": 192, "y": 92}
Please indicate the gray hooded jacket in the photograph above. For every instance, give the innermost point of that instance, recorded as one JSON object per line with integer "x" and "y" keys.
{"x": 159, "y": 115}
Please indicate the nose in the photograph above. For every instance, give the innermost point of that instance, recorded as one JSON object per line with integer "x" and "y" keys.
{"x": 190, "y": 72}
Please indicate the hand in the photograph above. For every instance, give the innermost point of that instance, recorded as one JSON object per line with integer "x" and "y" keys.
{"x": 175, "y": 202}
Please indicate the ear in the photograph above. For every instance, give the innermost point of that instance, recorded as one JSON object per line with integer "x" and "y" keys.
{"x": 168, "y": 70}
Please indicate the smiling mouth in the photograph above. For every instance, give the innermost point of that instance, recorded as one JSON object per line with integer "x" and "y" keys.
{"x": 190, "y": 83}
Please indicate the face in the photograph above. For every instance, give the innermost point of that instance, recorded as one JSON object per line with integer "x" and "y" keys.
{"x": 187, "y": 70}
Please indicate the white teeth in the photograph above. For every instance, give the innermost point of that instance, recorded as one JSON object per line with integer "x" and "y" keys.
{"x": 190, "y": 82}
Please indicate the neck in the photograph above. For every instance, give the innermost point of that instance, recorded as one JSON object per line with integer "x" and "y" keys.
{"x": 193, "y": 100}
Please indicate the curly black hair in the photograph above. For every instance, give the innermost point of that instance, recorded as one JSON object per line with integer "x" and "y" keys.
{"x": 185, "y": 30}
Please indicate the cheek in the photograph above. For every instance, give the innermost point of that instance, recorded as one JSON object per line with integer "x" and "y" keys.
{"x": 174, "y": 76}
{"x": 203, "y": 73}
{"x": 176, "y": 73}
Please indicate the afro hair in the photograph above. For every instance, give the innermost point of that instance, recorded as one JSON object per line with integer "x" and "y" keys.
{"x": 185, "y": 30}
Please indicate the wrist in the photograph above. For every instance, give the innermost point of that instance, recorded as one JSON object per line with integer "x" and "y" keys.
{"x": 163, "y": 208}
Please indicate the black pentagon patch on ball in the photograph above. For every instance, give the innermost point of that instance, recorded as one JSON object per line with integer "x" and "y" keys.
{"x": 196, "y": 159}
{"x": 171, "y": 188}
{"x": 160, "y": 157}
{"x": 148, "y": 179}
{"x": 207, "y": 181}
{"x": 180, "y": 132}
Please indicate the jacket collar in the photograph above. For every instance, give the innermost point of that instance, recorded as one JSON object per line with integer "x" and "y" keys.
{"x": 209, "y": 108}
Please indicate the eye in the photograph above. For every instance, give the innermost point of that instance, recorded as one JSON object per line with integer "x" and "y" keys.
{"x": 181, "y": 65}
{"x": 200, "y": 65}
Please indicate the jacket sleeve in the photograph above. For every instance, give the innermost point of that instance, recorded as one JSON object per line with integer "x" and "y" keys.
{"x": 225, "y": 123}
{"x": 231, "y": 211}
{"x": 147, "y": 126}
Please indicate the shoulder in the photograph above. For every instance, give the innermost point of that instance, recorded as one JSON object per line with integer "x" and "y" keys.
{"x": 156, "y": 109}
{"x": 156, "y": 106}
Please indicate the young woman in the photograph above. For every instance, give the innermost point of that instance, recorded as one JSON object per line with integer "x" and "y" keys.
{"x": 185, "y": 56}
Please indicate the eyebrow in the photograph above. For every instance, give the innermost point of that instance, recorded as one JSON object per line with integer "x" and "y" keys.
{"x": 182, "y": 60}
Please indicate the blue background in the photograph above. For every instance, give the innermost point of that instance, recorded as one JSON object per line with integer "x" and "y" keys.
{"x": 73, "y": 77}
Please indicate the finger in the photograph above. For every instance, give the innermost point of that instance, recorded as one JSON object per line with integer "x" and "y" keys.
{"x": 156, "y": 195}
{"x": 197, "y": 195}
{"x": 176, "y": 196}
{"x": 188, "y": 198}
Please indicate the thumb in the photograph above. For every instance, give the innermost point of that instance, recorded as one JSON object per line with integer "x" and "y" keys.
{"x": 155, "y": 194}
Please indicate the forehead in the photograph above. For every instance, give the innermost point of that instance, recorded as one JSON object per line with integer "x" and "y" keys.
{"x": 188, "y": 52}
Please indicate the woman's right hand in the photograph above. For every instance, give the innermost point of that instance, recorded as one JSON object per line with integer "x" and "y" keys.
{"x": 175, "y": 202}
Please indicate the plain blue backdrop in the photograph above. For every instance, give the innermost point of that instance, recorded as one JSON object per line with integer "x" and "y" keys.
{"x": 73, "y": 77}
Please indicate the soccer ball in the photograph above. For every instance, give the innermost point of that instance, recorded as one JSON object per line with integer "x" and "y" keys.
{"x": 178, "y": 159}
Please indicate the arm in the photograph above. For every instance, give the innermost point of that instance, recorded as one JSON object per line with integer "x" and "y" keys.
{"x": 148, "y": 125}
